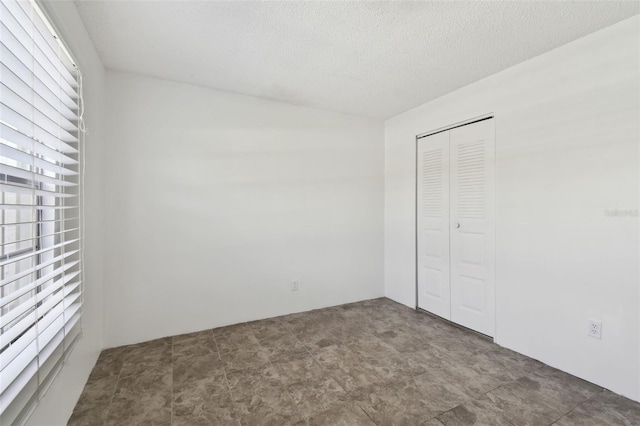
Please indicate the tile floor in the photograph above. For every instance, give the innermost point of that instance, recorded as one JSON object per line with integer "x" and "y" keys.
{"x": 369, "y": 363}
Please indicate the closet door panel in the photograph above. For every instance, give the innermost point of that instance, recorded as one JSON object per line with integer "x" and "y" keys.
{"x": 472, "y": 226}
{"x": 434, "y": 287}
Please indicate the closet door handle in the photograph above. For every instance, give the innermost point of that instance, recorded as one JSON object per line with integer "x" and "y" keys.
{"x": 457, "y": 225}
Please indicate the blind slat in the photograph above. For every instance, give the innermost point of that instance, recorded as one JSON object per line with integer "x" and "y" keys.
{"x": 51, "y": 311}
{"x": 25, "y": 140}
{"x": 41, "y": 218}
{"x": 27, "y": 38}
{"x": 15, "y": 172}
{"x": 24, "y": 290}
{"x": 15, "y": 189}
{"x": 43, "y": 114}
{"x": 54, "y": 323}
{"x": 59, "y": 221}
{"x": 20, "y": 61}
{"x": 48, "y": 104}
{"x": 32, "y": 302}
{"x": 18, "y": 346}
{"x": 37, "y": 252}
{"x": 18, "y": 365}
{"x": 42, "y": 130}
{"x": 31, "y": 270}
{"x": 10, "y": 153}
{"x": 34, "y": 239}
{"x": 30, "y": 53}
{"x": 54, "y": 46}
{"x": 12, "y": 62}
{"x": 32, "y": 207}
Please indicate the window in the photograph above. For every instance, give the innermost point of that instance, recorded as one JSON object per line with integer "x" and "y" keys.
{"x": 40, "y": 200}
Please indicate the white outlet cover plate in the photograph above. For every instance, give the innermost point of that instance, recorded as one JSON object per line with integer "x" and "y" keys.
{"x": 595, "y": 329}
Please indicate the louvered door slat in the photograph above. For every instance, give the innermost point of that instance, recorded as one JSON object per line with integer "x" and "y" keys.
{"x": 433, "y": 224}
{"x": 472, "y": 242}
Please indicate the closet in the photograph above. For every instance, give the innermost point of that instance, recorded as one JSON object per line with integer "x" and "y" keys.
{"x": 455, "y": 238}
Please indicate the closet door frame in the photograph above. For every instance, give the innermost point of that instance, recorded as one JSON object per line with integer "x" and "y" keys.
{"x": 482, "y": 117}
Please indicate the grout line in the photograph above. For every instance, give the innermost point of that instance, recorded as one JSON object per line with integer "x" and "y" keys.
{"x": 313, "y": 359}
{"x": 115, "y": 388}
{"x": 577, "y": 406}
{"x": 286, "y": 389}
{"x": 172, "y": 389}
{"x": 367, "y": 414}
{"x": 224, "y": 369}
{"x": 224, "y": 372}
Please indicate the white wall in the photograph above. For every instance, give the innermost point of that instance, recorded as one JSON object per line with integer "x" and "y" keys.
{"x": 215, "y": 202}
{"x": 57, "y": 405}
{"x": 567, "y": 137}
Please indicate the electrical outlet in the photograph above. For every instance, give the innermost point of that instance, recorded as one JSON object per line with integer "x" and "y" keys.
{"x": 595, "y": 329}
{"x": 295, "y": 285}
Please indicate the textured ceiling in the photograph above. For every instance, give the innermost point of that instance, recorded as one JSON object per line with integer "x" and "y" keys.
{"x": 376, "y": 59}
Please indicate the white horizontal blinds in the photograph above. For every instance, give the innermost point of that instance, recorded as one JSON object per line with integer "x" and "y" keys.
{"x": 40, "y": 218}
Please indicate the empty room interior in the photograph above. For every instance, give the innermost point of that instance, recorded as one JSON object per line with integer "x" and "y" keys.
{"x": 319, "y": 213}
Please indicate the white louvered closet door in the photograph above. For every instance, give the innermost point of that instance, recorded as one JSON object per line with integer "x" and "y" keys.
{"x": 433, "y": 225}
{"x": 472, "y": 226}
